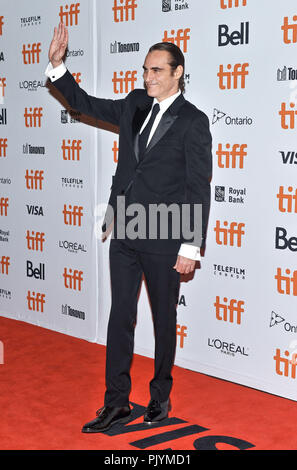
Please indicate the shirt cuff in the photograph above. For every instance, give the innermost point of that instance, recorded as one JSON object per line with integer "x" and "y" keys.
{"x": 55, "y": 73}
{"x": 190, "y": 251}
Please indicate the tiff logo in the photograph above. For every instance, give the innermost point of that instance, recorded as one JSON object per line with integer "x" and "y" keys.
{"x": 287, "y": 202}
{"x": 71, "y": 150}
{"x": 1, "y": 24}
{"x": 73, "y": 280}
{"x": 31, "y": 54}
{"x": 232, "y": 3}
{"x": 34, "y": 179}
{"x": 182, "y": 36}
{"x": 73, "y": 216}
{"x": 35, "y": 301}
{"x": 126, "y": 83}
{"x": 290, "y": 30}
{"x": 227, "y": 312}
{"x": 115, "y": 150}
{"x": 235, "y": 157}
{"x": 230, "y": 235}
{"x": 287, "y": 113}
{"x": 35, "y": 240}
{"x": 122, "y": 9}
{"x": 77, "y": 77}
{"x": 33, "y": 117}
{"x": 181, "y": 332}
{"x": 3, "y": 147}
{"x": 289, "y": 365}
{"x": 4, "y": 263}
{"x": 3, "y": 206}
{"x": 285, "y": 284}
{"x": 2, "y": 86}
{"x": 229, "y": 79}
{"x": 69, "y": 14}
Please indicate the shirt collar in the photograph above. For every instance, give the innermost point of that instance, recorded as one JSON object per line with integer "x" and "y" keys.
{"x": 164, "y": 104}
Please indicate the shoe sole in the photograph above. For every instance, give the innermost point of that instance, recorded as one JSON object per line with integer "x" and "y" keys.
{"x": 118, "y": 421}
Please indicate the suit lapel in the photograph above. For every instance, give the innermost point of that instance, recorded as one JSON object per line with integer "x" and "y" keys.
{"x": 166, "y": 122}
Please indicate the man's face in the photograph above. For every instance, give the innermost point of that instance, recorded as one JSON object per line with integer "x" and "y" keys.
{"x": 160, "y": 80}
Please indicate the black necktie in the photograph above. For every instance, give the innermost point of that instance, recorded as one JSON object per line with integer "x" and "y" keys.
{"x": 143, "y": 138}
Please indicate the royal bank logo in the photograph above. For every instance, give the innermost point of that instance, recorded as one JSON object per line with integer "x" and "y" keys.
{"x": 4, "y": 236}
{"x": 286, "y": 73}
{"x": 221, "y": 116}
{"x": 70, "y": 117}
{"x": 174, "y": 5}
{"x": 230, "y": 194}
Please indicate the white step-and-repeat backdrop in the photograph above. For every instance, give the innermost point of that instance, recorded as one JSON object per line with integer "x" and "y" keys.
{"x": 237, "y": 316}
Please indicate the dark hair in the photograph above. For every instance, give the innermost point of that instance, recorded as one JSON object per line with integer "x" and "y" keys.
{"x": 177, "y": 58}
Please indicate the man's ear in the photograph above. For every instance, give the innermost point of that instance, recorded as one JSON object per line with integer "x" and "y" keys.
{"x": 178, "y": 71}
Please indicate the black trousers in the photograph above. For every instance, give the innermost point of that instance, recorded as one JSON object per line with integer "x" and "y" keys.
{"x": 127, "y": 266}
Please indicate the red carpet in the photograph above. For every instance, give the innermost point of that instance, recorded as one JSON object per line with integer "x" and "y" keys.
{"x": 51, "y": 384}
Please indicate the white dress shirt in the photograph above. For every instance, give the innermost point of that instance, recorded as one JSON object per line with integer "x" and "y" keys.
{"x": 188, "y": 251}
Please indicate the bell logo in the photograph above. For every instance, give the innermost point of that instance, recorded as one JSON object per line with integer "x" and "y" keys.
{"x": 181, "y": 332}
{"x": 229, "y": 79}
{"x": 69, "y": 13}
{"x": 122, "y": 9}
{"x": 71, "y": 150}
{"x": 229, "y": 235}
{"x": 115, "y": 150}
{"x": 77, "y": 77}
{"x": 290, "y": 30}
{"x": 73, "y": 216}
{"x": 73, "y": 280}
{"x": 36, "y": 301}
{"x": 4, "y": 263}
{"x": 1, "y": 24}
{"x": 235, "y": 307}
{"x": 3, "y": 147}
{"x": 287, "y": 202}
{"x": 4, "y": 206}
{"x": 284, "y": 365}
{"x": 286, "y": 284}
{"x": 33, "y": 117}
{"x": 2, "y": 87}
{"x": 130, "y": 78}
{"x": 31, "y": 54}
{"x": 235, "y": 157}
{"x": 182, "y": 36}
{"x": 232, "y": 3}
{"x": 288, "y": 116}
{"x": 35, "y": 240}
{"x": 34, "y": 179}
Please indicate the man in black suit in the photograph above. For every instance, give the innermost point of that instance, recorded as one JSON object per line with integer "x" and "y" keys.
{"x": 164, "y": 159}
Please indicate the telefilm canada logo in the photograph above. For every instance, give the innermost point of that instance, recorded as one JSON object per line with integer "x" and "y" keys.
{"x": 230, "y": 272}
{"x": 175, "y": 5}
{"x": 28, "y": 21}
{"x": 221, "y": 116}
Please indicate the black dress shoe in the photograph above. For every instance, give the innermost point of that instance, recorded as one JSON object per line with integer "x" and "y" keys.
{"x": 107, "y": 416}
{"x": 156, "y": 411}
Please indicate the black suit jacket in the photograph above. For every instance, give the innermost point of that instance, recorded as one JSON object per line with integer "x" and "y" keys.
{"x": 177, "y": 164}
